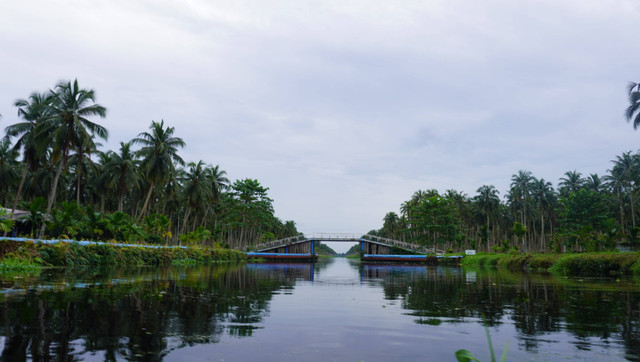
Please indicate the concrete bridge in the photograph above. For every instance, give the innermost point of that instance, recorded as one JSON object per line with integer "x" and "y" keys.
{"x": 303, "y": 246}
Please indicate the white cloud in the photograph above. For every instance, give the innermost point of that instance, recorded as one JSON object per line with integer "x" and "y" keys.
{"x": 345, "y": 108}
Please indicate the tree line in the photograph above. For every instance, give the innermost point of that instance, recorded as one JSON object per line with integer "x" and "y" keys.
{"x": 52, "y": 167}
{"x": 584, "y": 213}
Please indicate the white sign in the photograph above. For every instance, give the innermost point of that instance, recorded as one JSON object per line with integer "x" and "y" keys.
{"x": 469, "y": 252}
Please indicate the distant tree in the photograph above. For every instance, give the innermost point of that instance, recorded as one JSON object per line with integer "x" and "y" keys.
{"x": 487, "y": 202}
{"x": 159, "y": 153}
{"x": 626, "y": 169}
{"x": 8, "y": 169}
{"x": 543, "y": 197}
{"x": 69, "y": 128}
{"x": 571, "y": 182}
{"x": 33, "y": 111}
{"x": 121, "y": 172}
{"x": 633, "y": 111}
{"x": 391, "y": 225}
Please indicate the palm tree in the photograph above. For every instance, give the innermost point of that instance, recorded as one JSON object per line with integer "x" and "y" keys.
{"x": 520, "y": 184}
{"x": 391, "y": 225}
{"x": 633, "y": 111}
{"x": 82, "y": 165}
{"x": 571, "y": 183}
{"x": 519, "y": 194}
{"x": 487, "y": 201}
{"x": 68, "y": 126}
{"x": 626, "y": 168}
{"x": 33, "y": 111}
{"x": 8, "y": 168}
{"x": 543, "y": 197}
{"x": 196, "y": 189}
{"x": 218, "y": 183}
{"x": 102, "y": 179}
{"x": 159, "y": 152}
{"x": 616, "y": 183}
{"x": 594, "y": 183}
{"x": 121, "y": 172}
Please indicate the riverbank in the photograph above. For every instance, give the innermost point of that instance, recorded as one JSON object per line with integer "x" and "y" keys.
{"x": 605, "y": 263}
{"x": 75, "y": 254}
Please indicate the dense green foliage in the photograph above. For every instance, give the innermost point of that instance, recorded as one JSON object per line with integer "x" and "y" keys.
{"x": 13, "y": 264}
{"x": 324, "y": 249}
{"x": 572, "y": 264}
{"x": 63, "y": 182}
{"x": 585, "y": 214}
{"x": 73, "y": 254}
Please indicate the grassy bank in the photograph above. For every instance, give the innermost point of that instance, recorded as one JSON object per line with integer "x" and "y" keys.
{"x": 73, "y": 254}
{"x": 611, "y": 263}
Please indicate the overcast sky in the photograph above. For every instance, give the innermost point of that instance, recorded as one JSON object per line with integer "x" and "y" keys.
{"x": 345, "y": 108}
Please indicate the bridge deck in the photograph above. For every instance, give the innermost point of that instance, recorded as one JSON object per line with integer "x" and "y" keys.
{"x": 346, "y": 238}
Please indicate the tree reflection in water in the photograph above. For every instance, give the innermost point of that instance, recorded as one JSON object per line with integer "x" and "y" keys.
{"x": 537, "y": 304}
{"x": 133, "y": 314}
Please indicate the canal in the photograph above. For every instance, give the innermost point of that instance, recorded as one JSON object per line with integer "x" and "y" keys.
{"x": 336, "y": 309}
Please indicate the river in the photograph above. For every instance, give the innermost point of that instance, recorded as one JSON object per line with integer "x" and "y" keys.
{"x": 333, "y": 310}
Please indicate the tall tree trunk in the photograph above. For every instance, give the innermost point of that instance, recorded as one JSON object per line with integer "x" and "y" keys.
{"x": 146, "y": 203}
{"x": 19, "y": 193}
{"x": 204, "y": 218}
{"x": 186, "y": 218}
{"x": 52, "y": 195}
{"x": 78, "y": 190}
{"x": 542, "y": 243}
{"x": 622, "y": 212}
{"x": 633, "y": 214}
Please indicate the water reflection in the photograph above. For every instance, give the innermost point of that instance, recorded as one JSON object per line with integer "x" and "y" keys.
{"x": 359, "y": 311}
{"x": 130, "y": 313}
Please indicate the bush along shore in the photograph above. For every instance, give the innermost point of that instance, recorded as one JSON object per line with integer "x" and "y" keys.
{"x": 26, "y": 255}
{"x": 591, "y": 264}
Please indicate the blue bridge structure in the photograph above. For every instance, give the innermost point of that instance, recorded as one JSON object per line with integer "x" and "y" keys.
{"x": 372, "y": 247}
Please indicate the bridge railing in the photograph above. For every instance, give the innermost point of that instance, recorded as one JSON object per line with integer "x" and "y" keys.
{"x": 276, "y": 243}
{"x": 333, "y": 236}
{"x": 403, "y": 244}
{"x": 344, "y": 237}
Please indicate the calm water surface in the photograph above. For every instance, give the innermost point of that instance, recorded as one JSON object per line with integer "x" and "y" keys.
{"x": 336, "y": 309}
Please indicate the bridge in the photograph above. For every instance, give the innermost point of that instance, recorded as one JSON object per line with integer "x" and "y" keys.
{"x": 303, "y": 246}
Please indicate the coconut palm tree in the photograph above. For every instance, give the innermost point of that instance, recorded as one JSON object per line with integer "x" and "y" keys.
{"x": 68, "y": 126}
{"x": 33, "y": 111}
{"x": 159, "y": 153}
{"x": 571, "y": 183}
{"x": 633, "y": 111}
{"x": 391, "y": 225}
{"x": 82, "y": 167}
{"x": 594, "y": 183}
{"x": 626, "y": 168}
{"x": 196, "y": 189}
{"x": 543, "y": 197}
{"x": 520, "y": 185}
{"x": 121, "y": 172}
{"x": 8, "y": 168}
{"x": 616, "y": 183}
{"x": 218, "y": 183}
{"x": 487, "y": 202}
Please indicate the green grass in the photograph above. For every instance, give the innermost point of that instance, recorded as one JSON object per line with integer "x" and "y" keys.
{"x": 13, "y": 264}
{"x": 72, "y": 254}
{"x": 612, "y": 263}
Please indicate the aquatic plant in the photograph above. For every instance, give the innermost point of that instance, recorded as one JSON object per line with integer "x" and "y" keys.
{"x": 463, "y": 355}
